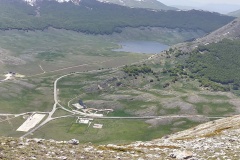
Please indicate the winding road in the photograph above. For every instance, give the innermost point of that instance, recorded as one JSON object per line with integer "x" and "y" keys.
{"x": 74, "y": 113}
{"x": 50, "y": 114}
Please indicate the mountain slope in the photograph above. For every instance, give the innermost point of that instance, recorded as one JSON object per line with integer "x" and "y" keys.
{"x": 228, "y": 31}
{"x": 149, "y": 4}
{"x": 214, "y": 60}
{"x": 100, "y": 18}
{"x": 34, "y": 2}
{"x": 235, "y": 13}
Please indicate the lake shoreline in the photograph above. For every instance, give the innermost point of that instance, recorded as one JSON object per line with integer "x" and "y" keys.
{"x": 147, "y": 47}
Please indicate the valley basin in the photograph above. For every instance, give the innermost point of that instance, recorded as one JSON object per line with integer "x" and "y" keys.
{"x": 149, "y": 47}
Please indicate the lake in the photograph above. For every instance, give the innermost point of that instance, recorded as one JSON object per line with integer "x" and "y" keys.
{"x": 148, "y": 47}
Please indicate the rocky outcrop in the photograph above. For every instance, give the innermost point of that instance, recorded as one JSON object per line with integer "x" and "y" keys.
{"x": 213, "y": 140}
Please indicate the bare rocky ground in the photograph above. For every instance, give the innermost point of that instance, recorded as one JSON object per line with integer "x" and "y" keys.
{"x": 213, "y": 140}
{"x": 158, "y": 101}
{"x": 175, "y": 100}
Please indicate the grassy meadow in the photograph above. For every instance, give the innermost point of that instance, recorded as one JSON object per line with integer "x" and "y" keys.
{"x": 44, "y": 56}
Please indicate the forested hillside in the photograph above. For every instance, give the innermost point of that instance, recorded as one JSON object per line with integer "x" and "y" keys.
{"x": 95, "y": 17}
{"x": 218, "y": 62}
{"x": 216, "y": 65}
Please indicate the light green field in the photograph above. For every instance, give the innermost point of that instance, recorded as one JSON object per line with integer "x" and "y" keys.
{"x": 137, "y": 102}
{"x": 9, "y": 127}
{"x": 139, "y": 99}
{"x": 59, "y": 52}
{"x": 58, "y": 49}
{"x": 113, "y": 131}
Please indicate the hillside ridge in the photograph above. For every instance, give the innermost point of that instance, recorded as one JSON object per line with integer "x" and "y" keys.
{"x": 148, "y": 4}
{"x": 228, "y": 31}
{"x": 235, "y": 13}
{"x": 34, "y": 2}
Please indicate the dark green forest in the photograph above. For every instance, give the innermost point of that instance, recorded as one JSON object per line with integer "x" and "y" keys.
{"x": 215, "y": 64}
{"x": 94, "y": 17}
{"x": 137, "y": 69}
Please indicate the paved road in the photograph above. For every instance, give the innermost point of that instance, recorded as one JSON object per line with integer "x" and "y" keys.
{"x": 82, "y": 114}
{"x": 54, "y": 108}
{"x": 56, "y": 103}
{"x": 78, "y": 113}
{"x": 159, "y": 117}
